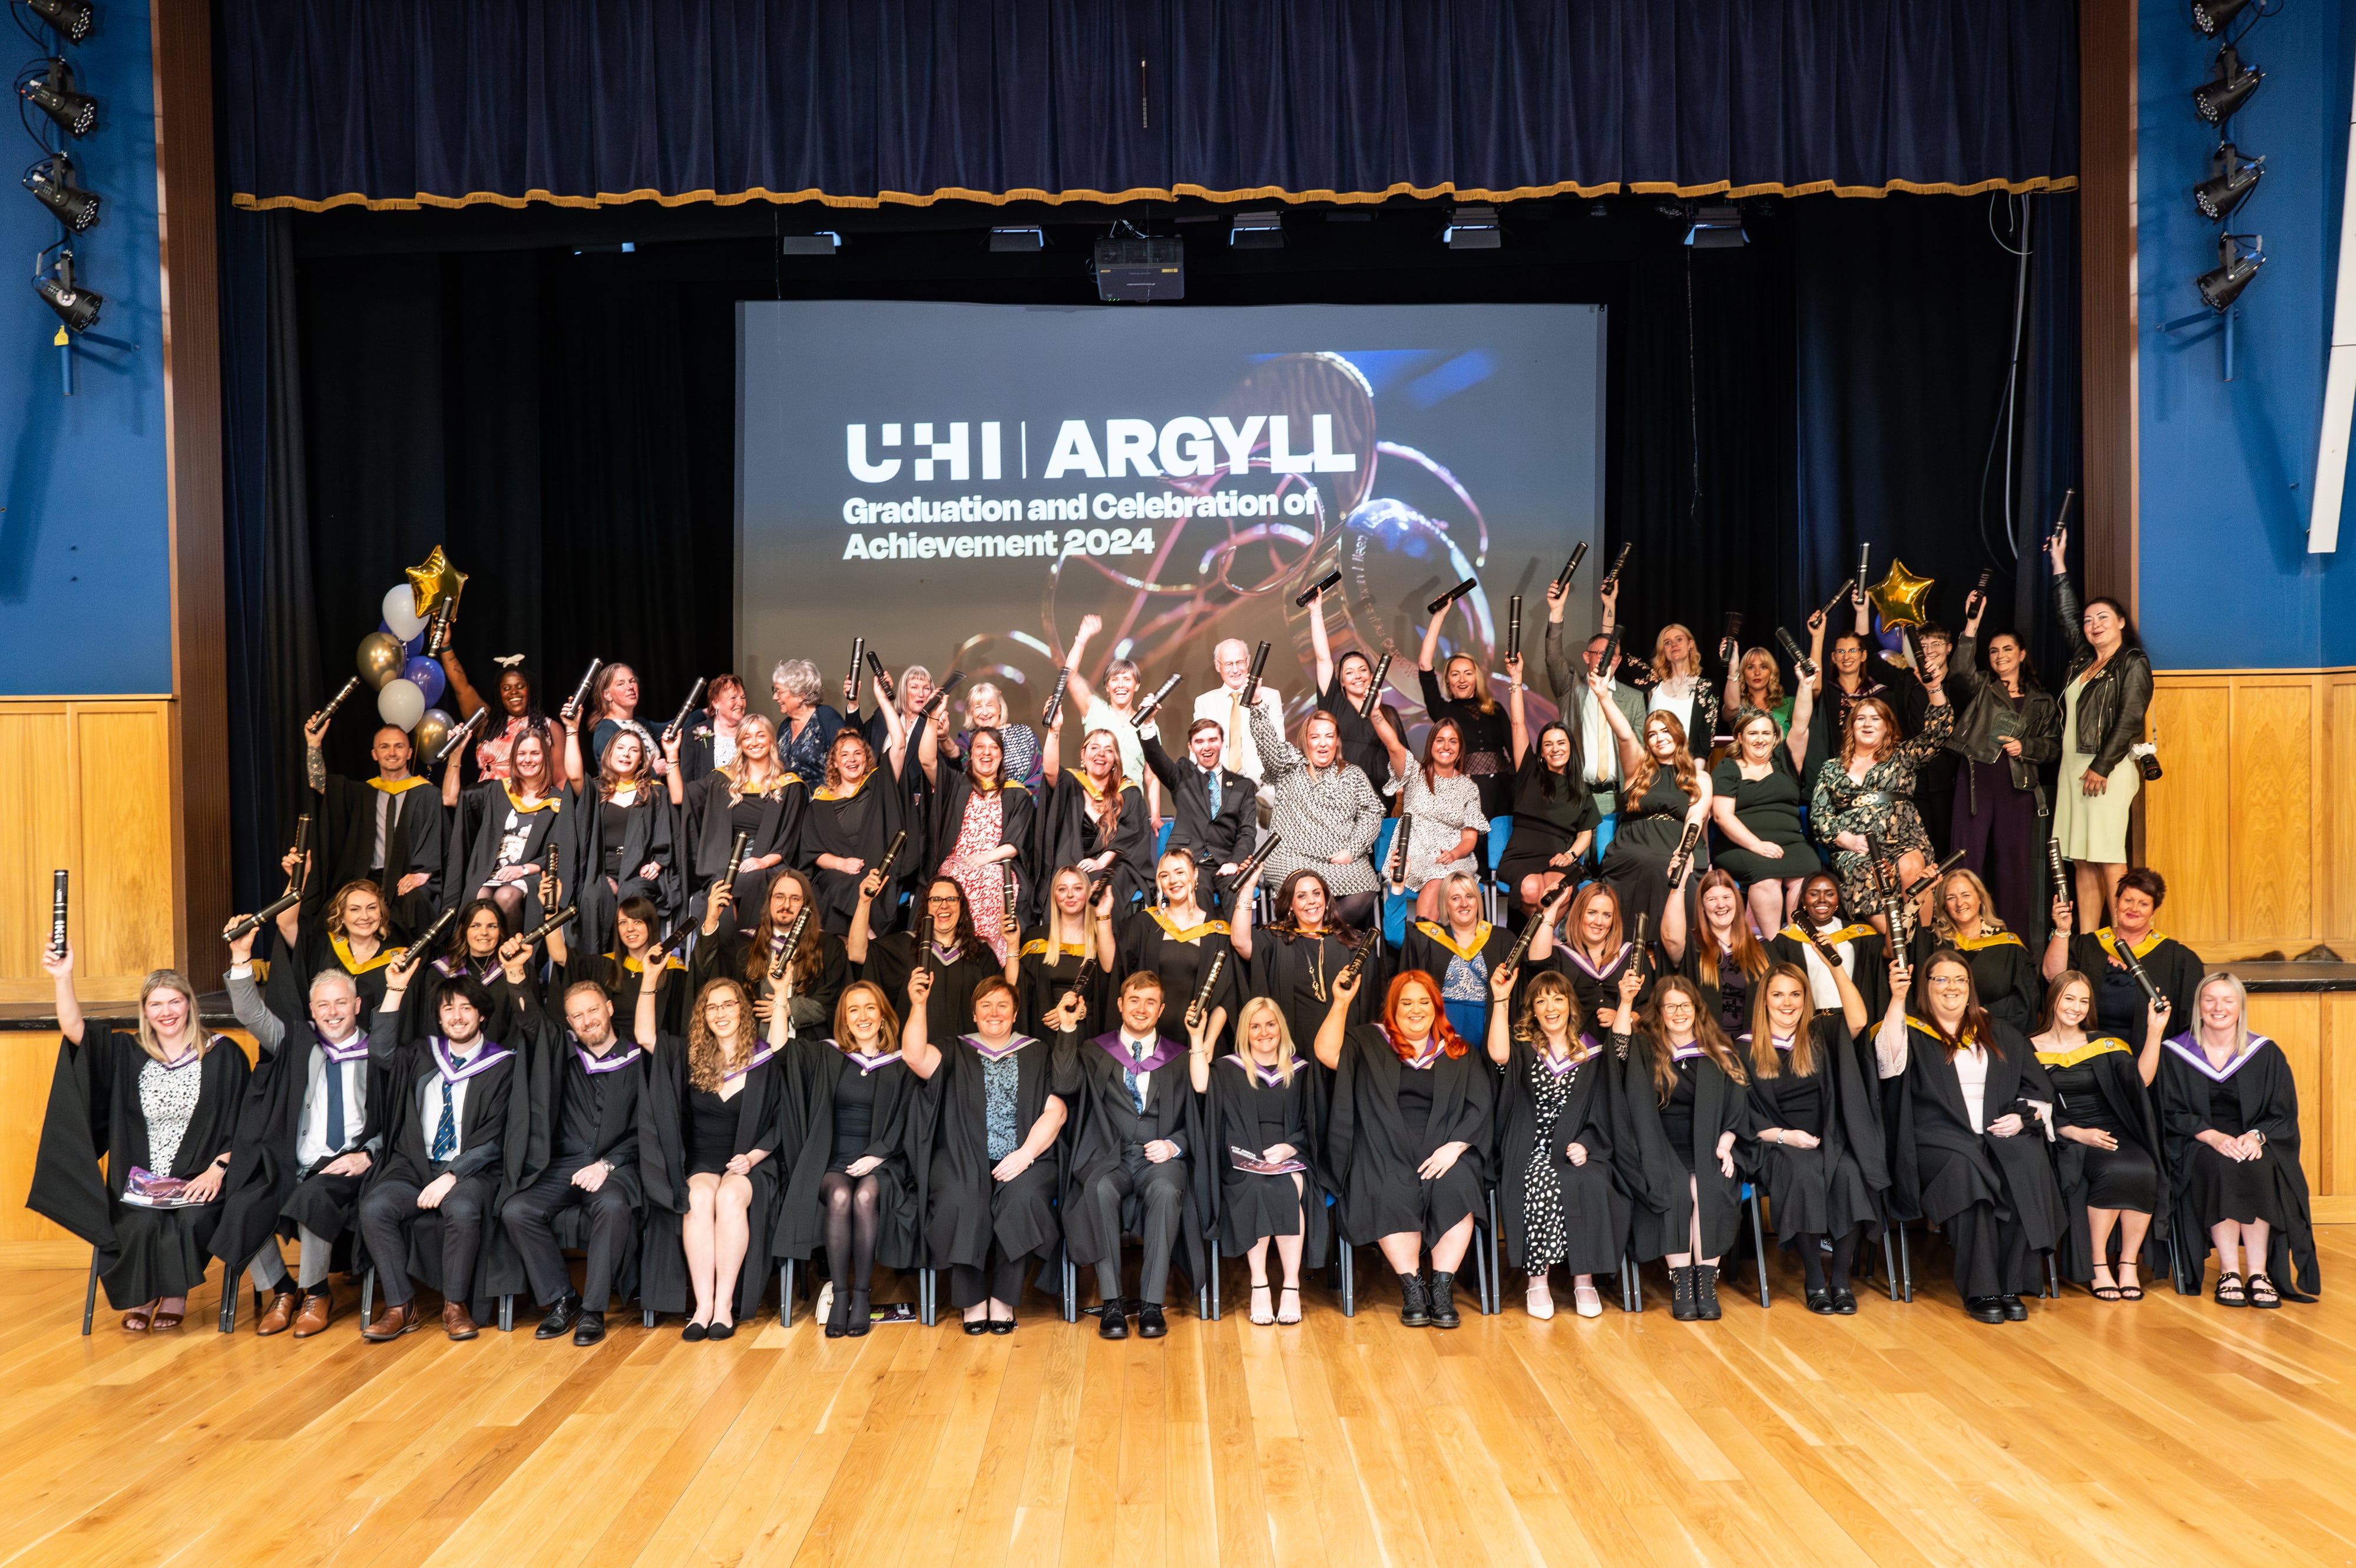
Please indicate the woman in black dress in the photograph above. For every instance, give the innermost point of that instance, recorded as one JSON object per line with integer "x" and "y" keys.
{"x": 1723, "y": 959}
{"x": 159, "y": 1105}
{"x": 2229, "y": 1107}
{"x": 2109, "y": 1159}
{"x": 1073, "y": 947}
{"x": 1817, "y": 1120}
{"x": 989, "y": 1123}
{"x": 1177, "y": 940}
{"x": 1260, "y": 1115}
{"x": 1460, "y": 691}
{"x": 850, "y": 1185}
{"x": 2003, "y": 973}
{"x": 1343, "y": 687}
{"x": 2173, "y": 968}
{"x": 625, "y": 831}
{"x": 1595, "y": 952}
{"x": 1408, "y": 1139}
{"x": 855, "y": 814}
{"x": 1661, "y": 792}
{"x": 1684, "y": 1090}
{"x": 1554, "y": 816}
{"x": 1559, "y": 1200}
{"x": 942, "y": 941}
{"x": 1964, "y": 1152}
{"x": 503, "y": 829}
{"x": 1095, "y": 819}
{"x": 752, "y": 794}
{"x": 707, "y": 1124}
{"x": 1755, "y": 799}
{"x": 1294, "y": 959}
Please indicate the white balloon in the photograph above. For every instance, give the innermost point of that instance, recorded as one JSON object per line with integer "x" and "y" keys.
{"x": 401, "y": 612}
{"x": 401, "y": 704}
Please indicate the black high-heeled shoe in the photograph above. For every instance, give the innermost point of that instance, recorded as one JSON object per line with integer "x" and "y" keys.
{"x": 862, "y": 1315}
{"x": 838, "y": 1315}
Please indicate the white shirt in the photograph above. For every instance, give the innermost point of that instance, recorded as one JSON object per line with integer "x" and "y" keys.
{"x": 1137, "y": 1046}
{"x": 313, "y": 1145}
{"x": 1821, "y": 991}
{"x": 436, "y": 1087}
{"x": 1223, "y": 706}
{"x": 1971, "y": 1077}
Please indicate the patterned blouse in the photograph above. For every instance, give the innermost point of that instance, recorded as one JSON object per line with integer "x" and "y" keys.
{"x": 1321, "y": 815}
{"x": 1440, "y": 815}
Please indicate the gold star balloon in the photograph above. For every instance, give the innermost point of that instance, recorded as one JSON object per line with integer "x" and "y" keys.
{"x": 1897, "y": 597}
{"x": 434, "y": 581}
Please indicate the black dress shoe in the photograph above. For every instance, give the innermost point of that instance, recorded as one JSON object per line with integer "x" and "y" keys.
{"x": 1002, "y": 1326}
{"x": 862, "y": 1317}
{"x": 2015, "y": 1309}
{"x": 1111, "y": 1323}
{"x": 696, "y": 1333}
{"x": 560, "y": 1318}
{"x": 1150, "y": 1324}
{"x": 1444, "y": 1301}
{"x": 977, "y": 1326}
{"x": 1415, "y": 1307}
{"x": 1845, "y": 1302}
{"x": 589, "y": 1328}
{"x": 1985, "y": 1309}
{"x": 1820, "y": 1302}
{"x": 721, "y": 1331}
{"x": 838, "y": 1316}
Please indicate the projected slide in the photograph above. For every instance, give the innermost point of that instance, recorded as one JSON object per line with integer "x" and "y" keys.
{"x": 960, "y": 484}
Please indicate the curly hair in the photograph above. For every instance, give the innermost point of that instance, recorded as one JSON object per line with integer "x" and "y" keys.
{"x": 705, "y": 1069}
{"x": 843, "y": 737}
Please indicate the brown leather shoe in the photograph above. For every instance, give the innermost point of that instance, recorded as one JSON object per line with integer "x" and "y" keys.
{"x": 394, "y": 1322}
{"x": 280, "y": 1316}
{"x": 456, "y": 1322}
{"x": 318, "y": 1311}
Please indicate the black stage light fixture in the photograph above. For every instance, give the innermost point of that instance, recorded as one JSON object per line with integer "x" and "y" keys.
{"x": 77, "y": 307}
{"x": 51, "y": 179}
{"x": 2229, "y": 87}
{"x": 2239, "y": 257}
{"x": 70, "y": 19}
{"x": 1717, "y": 227}
{"x": 1141, "y": 271}
{"x": 52, "y": 93}
{"x": 1021, "y": 238}
{"x": 825, "y": 242}
{"x": 2210, "y": 16}
{"x": 1258, "y": 232}
{"x": 1472, "y": 228}
{"x": 2232, "y": 178}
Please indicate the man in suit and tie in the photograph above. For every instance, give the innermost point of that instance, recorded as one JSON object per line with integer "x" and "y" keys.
{"x": 1595, "y": 752}
{"x": 1213, "y": 815}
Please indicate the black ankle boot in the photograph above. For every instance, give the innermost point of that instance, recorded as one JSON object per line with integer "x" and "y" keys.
{"x": 862, "y": 1319}
{"x": 1444, "y": 1301}
{"x": 1681, "y": 1294}
{"x": 1706, "y": 1292}
{"x": 1415, "y": 1310}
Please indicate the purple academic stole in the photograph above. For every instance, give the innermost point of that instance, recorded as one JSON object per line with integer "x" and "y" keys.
{"x": 353, "y": 1050}
{"x": 453, "y": 1071}
{"x": 758, "y": 1057}
{"x": 1266, "y": 1077}
{"x": 1563, "y": 1067}
{"x": 870, "y": 1064}
{"x": 1164, "y": 1051}
{"x": 612, "y": 1061}
{"x": 1013, "y": 1045}
{"x": 1579, "y": 959}
{"x": 2189, "y": 1050}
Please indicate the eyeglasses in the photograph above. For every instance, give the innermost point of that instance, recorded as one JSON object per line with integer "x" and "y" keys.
{"x": 942, "y": 903}
{"x": 1951, "y": 982}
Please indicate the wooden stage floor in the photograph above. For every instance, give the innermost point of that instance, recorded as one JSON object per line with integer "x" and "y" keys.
{"x": 2092, "y": 1434}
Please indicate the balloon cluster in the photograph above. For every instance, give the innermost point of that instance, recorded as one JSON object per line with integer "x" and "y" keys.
{"x": 392, "y": 658}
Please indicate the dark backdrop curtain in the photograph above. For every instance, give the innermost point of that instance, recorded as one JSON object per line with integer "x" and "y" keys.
{"x": 409, "y": 103}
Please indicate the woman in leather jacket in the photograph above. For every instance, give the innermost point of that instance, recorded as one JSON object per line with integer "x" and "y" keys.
{"x": 2102, "y": 709}
{"x": 2010, "y": 727}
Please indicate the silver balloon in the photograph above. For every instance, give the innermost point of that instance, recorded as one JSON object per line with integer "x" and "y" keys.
{"x": 430, "y": 732}
{"x": 381, "y": 658}
{"x": 401, "y": 704}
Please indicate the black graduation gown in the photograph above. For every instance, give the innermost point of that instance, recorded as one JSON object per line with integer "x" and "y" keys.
{"x": 1939, "y": 1167}
{"x": 1430, "y": 946}
{"x": 1594, "y": 1208}
{"x": 418, "y": 841}
{"x": 2129, "y": 1105}
{"x": 1598, "y": 987}
{"x": 1148, "y": 939}
{"x": 1869, "y": 972}
{"x": 1840, "y": 1184}
{"x": 654, "y": 835}
{"x": 2003, "y": 972}
{"x": 94, "y": 1112}
{"x": 498, "y": 1106}
{"x": 2268, "y": 1098}
{"x": 2174, "y": 972}
{"x": 916, "y": 790}
{"x": 1093, "y": 1144}
{"x": 316, "y": 949}
{"x": 1068, "y": 835}
{"x": 1243, "y": 1106}
{"x": 710, "y": 833}
{"x": 1658, "y": 1174}
{"x": 551, "y": 1052}
{"x": 966, "y": 1206}
{"x": 1018, "y": 825}
{"x": 480, "y": 844}
{"x": 1297, "y": 972}
{"x": 420, "y": 1009}
{"x": 1373, "y": 1154}
{"x": 663, "y": 1111}
{"x": 622, "y": 978}
{"x": 948, "y": 1006}
{"x": 725, "y": 955}
{"x": 1048, "y": 976}
{"x": 812, "y": 1065}
{"x": 861, "y": 825}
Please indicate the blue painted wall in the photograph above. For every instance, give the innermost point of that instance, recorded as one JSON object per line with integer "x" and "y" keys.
{"x": 2227, "y": 468}
{"x": 85, "y": 567}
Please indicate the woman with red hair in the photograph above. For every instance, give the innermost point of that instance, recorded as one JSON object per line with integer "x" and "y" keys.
{"x": 1407, "y": 1138}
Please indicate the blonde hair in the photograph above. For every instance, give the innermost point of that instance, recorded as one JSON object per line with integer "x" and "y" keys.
{"x": 1288, "y": 1059}
{"x": 735, "y": 770}
{"x": 170, "y": 980}
{"x": 1945, "y": 925}
{"x": 2228, "y": 979}
{"x": 1774, "y": 694}
{"x": 1660, "y": 670}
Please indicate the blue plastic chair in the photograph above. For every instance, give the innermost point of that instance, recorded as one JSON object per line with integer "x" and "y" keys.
{"x": 1162, "y": 839}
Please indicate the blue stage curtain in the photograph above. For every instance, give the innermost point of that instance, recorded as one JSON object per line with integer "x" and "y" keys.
{"x": 421, "y": 102}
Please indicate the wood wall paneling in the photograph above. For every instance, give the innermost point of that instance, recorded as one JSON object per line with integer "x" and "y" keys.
{"x": 2186, "y": 812}
{"x": 36, "y": 831}
{"x": 2269, "y": 773}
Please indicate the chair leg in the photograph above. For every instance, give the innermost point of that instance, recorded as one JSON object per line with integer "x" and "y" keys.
{"x": 1759, "y": 1245}
{"x": 230, "y": 1287}
{"x": 1888, "y": 1262}
{"x": 1906, "y": 1264}
{"x": 646, "y": 1316}
{"x": 367, "y": 1298}
{"x": 1071, "y": 1287}
{"x": 1349, "y": 1277}
{"x": 90, "y": 1295}
{"x": 507, "y": 1314}
{"x": 785, "y": 1294}
{"x": 2052, "y": 1291}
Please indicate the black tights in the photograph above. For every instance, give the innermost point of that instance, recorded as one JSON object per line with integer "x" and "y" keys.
{"x": 851, "y": 1224}
{"x": 1812, "y": 1256}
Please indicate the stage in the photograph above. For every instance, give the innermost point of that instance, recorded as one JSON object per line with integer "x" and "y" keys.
{"x": 2165, "y": 1430}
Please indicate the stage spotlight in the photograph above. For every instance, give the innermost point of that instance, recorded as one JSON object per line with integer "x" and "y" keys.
{"x": 77, "y": 307}
{"x": 70, "y": 19}
{"x": 52, "y": 93}
{"x": 1472, "y": 228}
{"x": 2229, "y": 87}
{"x": 2231, "y": 180}
{"x": 2210, "y": 16}
{"x": 825, "y": 242}
{"x": 1717, "y": 227}
{"x": 1258, "y": 232}
{"x": 1140, "y": 270}
{"x": 1032, "y": 238}
{"x": 2239, "y": 257}
{"x": 51, "y": 179}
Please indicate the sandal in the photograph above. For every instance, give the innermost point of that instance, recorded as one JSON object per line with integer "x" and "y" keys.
{"x": 2229, "y": 1290}
{"x": 136, "y": 1320}
{"x": 2103, "y": 1290}
{"x": 2262, "y": 1291}
{"x": 1261, "y": 1316}
{"x": 1289, "y": 1318}
{"x": 2129, "y": 1290}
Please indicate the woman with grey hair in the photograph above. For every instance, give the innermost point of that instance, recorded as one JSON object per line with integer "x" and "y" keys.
{"x": 807, "y": 728}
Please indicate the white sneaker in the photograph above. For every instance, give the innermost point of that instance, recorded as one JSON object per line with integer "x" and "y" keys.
{"x": 1587, "y": 1301}
{"x": 1540, "y": 1301}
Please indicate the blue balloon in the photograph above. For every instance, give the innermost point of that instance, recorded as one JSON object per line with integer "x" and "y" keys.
{"x": 410, "y": 648}
{"x": 427, "y": 673}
